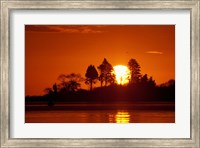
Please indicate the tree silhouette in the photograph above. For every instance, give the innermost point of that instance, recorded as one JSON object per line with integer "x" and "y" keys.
{"x": 144, "y": 80}
{"x": 63, "y": 83}
{"x": 135, "y": 70}
{"x": 48, "y": 91}
{"x": 55, "y": 88}
{"x": 91, "y": 75}
{"x": 51, "y": 93}
{"x": 106, "y": 73}
{"x": 170, "y": 83}
{"x": 151, "y": 82}
{"x": 70, "y": 82}
{"x": 111, "y": 78}
{"x": 147, "y": 82}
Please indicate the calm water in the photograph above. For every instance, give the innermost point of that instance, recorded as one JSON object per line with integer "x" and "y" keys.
{"x": 98, "y": 113}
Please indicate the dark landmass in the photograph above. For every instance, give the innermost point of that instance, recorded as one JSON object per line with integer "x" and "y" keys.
{"x": 140, "y": 88}
{"x": 109, "y": 94}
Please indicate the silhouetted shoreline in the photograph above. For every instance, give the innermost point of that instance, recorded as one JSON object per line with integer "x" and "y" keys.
{"x": 111, "y": 94}
{"x": 103, "y": 106}
{"x": 139, "y": 87}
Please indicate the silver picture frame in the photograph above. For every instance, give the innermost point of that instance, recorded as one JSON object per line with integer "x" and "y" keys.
{"x": 7, "y": 6}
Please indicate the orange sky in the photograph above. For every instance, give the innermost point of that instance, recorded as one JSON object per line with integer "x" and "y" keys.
{"x": 62, "y": 49}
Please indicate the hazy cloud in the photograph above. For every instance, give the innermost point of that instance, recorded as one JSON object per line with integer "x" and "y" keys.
{"x": 64, "y": 28}
{"x": 154, "y": 52}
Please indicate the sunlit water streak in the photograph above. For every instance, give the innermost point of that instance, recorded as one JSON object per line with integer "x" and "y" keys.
{"x": 99, "y": 116}
{"x": 151, "y": 112}
{"x": 119, "y": 117}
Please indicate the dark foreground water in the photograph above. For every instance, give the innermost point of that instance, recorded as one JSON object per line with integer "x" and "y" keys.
{"x": 101, "y": 113}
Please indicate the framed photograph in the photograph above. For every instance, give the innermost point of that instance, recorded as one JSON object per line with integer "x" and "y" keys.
{"x": 100, "y": 73}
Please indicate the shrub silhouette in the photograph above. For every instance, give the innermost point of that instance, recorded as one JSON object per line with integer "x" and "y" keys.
{"x": 70, "y": 82}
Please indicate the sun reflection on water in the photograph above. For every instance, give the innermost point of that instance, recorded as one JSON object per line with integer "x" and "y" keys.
{"x": 120, "y": 117}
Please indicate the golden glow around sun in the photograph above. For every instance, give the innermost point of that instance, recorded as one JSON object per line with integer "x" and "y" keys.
{"x": 122, "y": 74}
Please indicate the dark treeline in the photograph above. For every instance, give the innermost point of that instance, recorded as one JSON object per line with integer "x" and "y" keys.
{"x": 140, "y": 87}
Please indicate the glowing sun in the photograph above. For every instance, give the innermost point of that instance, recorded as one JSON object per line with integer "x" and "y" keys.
{"x": 122, "y": 74}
